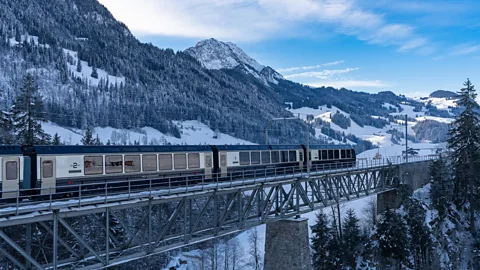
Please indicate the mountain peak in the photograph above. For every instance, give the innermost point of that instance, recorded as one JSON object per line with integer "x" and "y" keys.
{"x": 215, "y": 54}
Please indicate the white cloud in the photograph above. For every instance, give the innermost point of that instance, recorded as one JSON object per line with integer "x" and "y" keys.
{"x": 252, "y": 20}
{"x": 351, "y": 84}
{"x": 287, "y": 70}
{"x": 324, "y": 74}
{"x": 465, "y": 49}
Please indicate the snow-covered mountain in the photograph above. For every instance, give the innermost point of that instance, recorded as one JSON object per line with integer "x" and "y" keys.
{"x": 214, "y": 54}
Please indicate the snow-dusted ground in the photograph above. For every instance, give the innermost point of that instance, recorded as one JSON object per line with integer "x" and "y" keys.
{"x": 192, "y": 133}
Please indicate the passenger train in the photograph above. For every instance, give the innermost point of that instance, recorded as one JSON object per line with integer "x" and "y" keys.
{"x": 50, "y": 167}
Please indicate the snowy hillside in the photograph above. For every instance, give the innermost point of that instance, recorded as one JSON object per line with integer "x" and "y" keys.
{"x": 386, "y": 136}
{"x": 192, "y": 133}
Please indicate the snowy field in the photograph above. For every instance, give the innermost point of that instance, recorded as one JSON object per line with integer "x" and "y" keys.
{"x": 192, "y": 133}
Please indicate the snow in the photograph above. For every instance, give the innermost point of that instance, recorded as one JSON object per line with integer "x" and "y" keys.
{"x": 409, "y": 110}
{"x": 86, "y": 72}
{"x": 425, "y": 149}
{"x": 214, "y": 54}
{"x": 27, "y": 38}
{"x": 438, "y": 119}
{"x": 192, "y": 133}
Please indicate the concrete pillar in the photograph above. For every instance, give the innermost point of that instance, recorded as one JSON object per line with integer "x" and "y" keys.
{"x": 388, "y": 200}
{"x": 287, "y": 245}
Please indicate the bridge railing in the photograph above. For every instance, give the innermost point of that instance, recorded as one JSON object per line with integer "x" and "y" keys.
{"x": 22, "y": 201}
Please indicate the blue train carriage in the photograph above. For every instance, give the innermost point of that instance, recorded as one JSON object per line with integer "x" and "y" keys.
{"x": 332, "y": 156}
{"x": 12, "y": 163}
{"x": 240, "y": 159}
{"x": 74, "y": 165}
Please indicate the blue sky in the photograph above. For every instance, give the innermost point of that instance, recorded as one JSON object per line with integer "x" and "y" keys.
{"x": 406, "y": 46}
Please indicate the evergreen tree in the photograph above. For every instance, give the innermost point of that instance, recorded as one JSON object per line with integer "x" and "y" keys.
{"x": 352, "y": 239}
{"x": 392, "y": 237}
{"x": 88, "y": 138}
{"x": 56, "y": 139}
{"x": 420, "y": 243}
{"x": 321, "y": 239}
{"x": 464, "y": 141}
{"x": 97, "y": 141}
{"x": 27, "y": 114}
{"x": 79, "y": 65}
{"x": 6, "y": 128}
{"x": 441, "y": 191}
{"x": 94, "y": 73}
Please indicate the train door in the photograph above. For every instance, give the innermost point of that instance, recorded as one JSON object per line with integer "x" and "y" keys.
{"x": 208, "y": 166}
{"x": 10, "y": 177}
{"x": 223, "y": 163}
{"x": 47, "y": 174}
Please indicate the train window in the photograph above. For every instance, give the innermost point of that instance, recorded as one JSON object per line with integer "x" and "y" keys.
{"x": 223, "y": 160}
{"x": 132, "y": 163}
{"x": 47, "y": 169}
{"x": 284, "y": 156}
{"x": 324, "y": 154}
{"x": 255, "y": 157}
{"x": 275, "y": 157}
{"x": 349, "y": 153}
{"x": 292, "y": 156}
{"x": 300, "y": 155}
{"x": 244, "y": 158}
{"x": 337, "y": 154}
{"x": 193, "y": 160}
{"x": 165, "y": 162}
{"x": 180, "y": 161}
{"x": 343, "y": 154}
{"x": 265, "y": 157}
{"x": 149, "y": 163}
{"x": 330, "y": 154}
{"x": 11, "y": 170}
{"x": 113, "y": 164}
{"x": 93, "y": 165}
{"x": 208, "y": 161}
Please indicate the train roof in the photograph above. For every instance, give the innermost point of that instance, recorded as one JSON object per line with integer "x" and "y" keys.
{"x": 330, "y": 146}
{"x": 10, "y": 150}
{"x": 81, "y": 149}
{"x": 257, "y": 147}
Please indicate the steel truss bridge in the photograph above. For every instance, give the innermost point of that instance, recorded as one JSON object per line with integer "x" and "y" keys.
{"x": 92, "y": 231}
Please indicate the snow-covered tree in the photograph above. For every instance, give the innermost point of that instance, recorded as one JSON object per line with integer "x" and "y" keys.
{"x": 321, "y": 238}
{"x": 441, "y": 191}
{"x": 392, "y": 237}
{"x": 56, "y": 139}
{"x": 352, "y": 239}
{"x": 256, "y": 260}
{"x": 464, "y": 141}
{"x": 79, "y": 65}
{"x": 94, "y": 72}
{"x": 88, "y": 137}
{"x": 27, "y": 114}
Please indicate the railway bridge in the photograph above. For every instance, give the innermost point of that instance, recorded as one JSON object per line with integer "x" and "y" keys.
{"x": 93, "y": 230}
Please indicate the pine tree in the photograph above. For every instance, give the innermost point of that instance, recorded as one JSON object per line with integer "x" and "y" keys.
{"x": 56, "y": 139}
{"x": 6, "y": 127}
{"x": 352, "y": 238}
{"x": 321, "y": 238}
{"x": 441, "y": 191}
{"x": 392, "y": 237}
{"x": 27, "y": 115}
{"x": 97, "y": 141}
{"x": 94, "y": 73}
{"x": 88, "y": 138}
{"x": 79, "y": 65}
{"x": 420, "y": 243}
{"x": 464, "y": 141}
